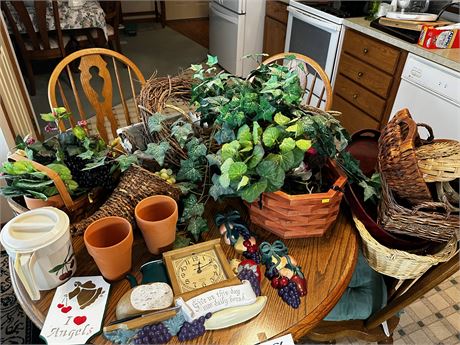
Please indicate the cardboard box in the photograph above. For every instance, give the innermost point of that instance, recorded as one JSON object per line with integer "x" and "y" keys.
{"x": 439, "y": 38}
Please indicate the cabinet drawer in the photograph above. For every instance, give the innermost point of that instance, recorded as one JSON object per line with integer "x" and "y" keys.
{"x": 371, "y": 51}
{"x": 277, "y": 10}
{"x": 352, "y": 118}
{"x": 365, "y": 75}
{"x": 359, "y": 96}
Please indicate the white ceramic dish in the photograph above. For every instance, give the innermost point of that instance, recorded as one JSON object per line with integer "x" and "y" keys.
{"x": 422, "y": 17}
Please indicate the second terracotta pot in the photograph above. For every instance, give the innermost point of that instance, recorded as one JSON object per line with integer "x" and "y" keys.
{"x": 54, "y": 201}
{"x": 109, "y": 241}
{"x": 157, "y": 216}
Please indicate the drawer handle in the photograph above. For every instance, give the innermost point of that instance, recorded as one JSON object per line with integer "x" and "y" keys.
{"x": 365, "y": 50}
{"x": 360, "y": 74}
{"x": 355, "y": 96}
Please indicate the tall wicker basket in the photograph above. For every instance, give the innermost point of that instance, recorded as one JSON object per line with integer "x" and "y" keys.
{"x": 398, "y": 161}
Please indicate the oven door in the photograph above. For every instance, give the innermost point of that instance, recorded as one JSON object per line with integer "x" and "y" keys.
{"x": 314, "y": 37}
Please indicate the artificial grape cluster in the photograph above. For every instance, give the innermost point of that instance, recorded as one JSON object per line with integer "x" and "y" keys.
{"x": 167, "y": 175}
{"x": 250, "y": 276}
{"x": 252, "y": 251}
{"x": 290, "y": 295}
{"x": 96, "y": 177}
{"x": 154, "y": 334}
{"x": 194, "y": 329}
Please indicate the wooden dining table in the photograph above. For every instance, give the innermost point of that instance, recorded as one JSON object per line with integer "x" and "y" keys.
{"x": 327, "y": 262}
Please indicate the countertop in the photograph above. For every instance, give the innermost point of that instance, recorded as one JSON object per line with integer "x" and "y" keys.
{"x": 446, "y": 57}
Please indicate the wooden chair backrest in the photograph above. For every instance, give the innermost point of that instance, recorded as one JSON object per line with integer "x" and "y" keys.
{"x": 112, "y": 11}
{"x": 39, "y": 39}
{"x": 100, "y": 102}
{"x": 309, "y": 72}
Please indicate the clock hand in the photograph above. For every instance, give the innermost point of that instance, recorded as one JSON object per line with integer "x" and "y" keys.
{"x": 199, "y": 267}
{"x": 206, "y": 265}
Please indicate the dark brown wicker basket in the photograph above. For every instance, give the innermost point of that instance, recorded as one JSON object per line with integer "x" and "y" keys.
{"x": 135, "y": 184}
{"x": 429, "y": 220}
{"x": 398, "y": 161}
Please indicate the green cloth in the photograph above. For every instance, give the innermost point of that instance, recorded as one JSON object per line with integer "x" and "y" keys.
{"x": 365, "y": 294}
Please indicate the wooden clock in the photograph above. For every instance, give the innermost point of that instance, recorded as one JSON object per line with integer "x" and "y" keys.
{"x": 197, "y": 267}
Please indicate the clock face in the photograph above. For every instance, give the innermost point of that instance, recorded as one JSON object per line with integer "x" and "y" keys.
{"x": 198, "y": 270}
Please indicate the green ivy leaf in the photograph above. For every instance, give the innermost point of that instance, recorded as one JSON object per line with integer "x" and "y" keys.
{"x": 237, "y": 170}
{"x": 270, "y": 136}
{"x": 243, "y": 182}
{"x": 17, "y": 168}
{"x": 303, "y": 144}
{"x": 189, "y": 170}
{"x": 272, "y": 172}
{"x": 230, "y": 150}
{"x": 195, "y": 149}
{"x": 154, "y": 122}
{"x": 157, "y": 151}
{"x": 125, "y": 161}
{"x": 212, "y": 60}
{"x": 196, "y": 226}
{"x": 288, "y": 144}
{"x": 224, "y": 180}
{"x": 298, "y": 156}
{"x": 287, "y": 161}
{"x": 214, "y": 159}
{"x": 281, "y": 120}
{"x": 266, "y": 110}
{"x": 88, "y": 154}
{"x": 296, "y": 128}
{"x": 196, "y": 67}
{"x": 257, "y": 156}
{"x": 217, "y": 190}
{"x": 256, "y": 132}
{"x": 79, "y": 132}
{"x": 185, "y": 187}
{"x": 192, "y": 208}
{"x": 181, "y": 242}
{"x": 71, "y": 185}
{"x": 224, "y": 135}
{"x": 251, "y": 192}
{"x": 181, "y": 132}
{"x": 244, "y": 134}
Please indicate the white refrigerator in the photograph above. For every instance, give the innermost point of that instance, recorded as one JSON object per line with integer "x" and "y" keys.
{"x": 236, "y": 29}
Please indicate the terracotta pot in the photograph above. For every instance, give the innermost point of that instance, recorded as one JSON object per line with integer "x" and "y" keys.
{"x": 303, "y": 215}
{"x": 157, "y": 216}
{"x": 54, "y": 201}
{"x": 109, "y": 241}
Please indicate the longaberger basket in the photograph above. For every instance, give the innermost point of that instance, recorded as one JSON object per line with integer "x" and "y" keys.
{"x": 397, "y": 144}
{"x": 400, "y": 264}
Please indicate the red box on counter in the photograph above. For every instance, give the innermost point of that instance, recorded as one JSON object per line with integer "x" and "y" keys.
{"x": 439, "y": 38}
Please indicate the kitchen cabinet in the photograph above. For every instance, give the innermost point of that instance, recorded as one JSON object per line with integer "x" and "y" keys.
{"x": 276, "y": 17}
{"x": 367, "y": 80}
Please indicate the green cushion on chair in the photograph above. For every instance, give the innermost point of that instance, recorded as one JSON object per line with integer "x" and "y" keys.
{"x": 365, "y": 294}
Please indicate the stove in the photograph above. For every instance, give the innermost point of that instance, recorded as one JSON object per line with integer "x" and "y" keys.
{"x": 334, "y": 11}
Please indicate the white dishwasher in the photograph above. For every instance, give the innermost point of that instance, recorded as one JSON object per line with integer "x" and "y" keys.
{"x": 431, "y": 92}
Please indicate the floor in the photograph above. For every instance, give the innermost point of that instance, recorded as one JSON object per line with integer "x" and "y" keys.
{"x": 154, "y": 50}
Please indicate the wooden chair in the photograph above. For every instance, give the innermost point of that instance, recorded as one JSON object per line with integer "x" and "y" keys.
{"x": 39, "y": 44}
{"x": 314, "y": 81}
{"x": 401, "y": 294}
{"x": 92, "y": 67}
{"x": 112, "y": 11}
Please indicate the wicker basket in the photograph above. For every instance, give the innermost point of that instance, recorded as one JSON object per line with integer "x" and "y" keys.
{"x": 300, "y": 216}
{"x": 398, "y": 161}
{"x": 439, "y": 161}
{"x": 424, "y": 220}
{"x": 135, "y": 184}
{"x": 76, "y": 209}
{"x": 398, "y": 263}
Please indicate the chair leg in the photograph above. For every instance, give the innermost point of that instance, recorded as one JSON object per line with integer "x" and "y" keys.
{"x": 30, "y": 77}
{"x": 388, "y": 340}
{"x": 116, "y": 39}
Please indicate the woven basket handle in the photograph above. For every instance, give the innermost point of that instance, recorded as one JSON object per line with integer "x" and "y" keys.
{"x": 60, "y": 185}
{"x": 430, "y": 133}
{"x": 432, "y": 205}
